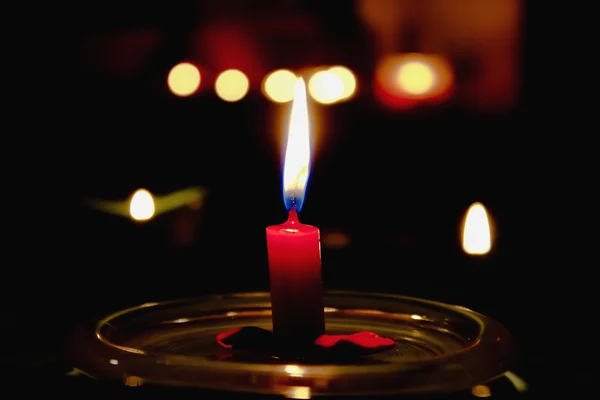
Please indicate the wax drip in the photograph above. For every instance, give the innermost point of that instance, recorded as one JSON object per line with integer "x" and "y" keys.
{"x": 326, "y": 347}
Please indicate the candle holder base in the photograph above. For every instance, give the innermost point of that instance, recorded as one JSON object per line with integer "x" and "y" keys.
{"x": 439, "y": 347}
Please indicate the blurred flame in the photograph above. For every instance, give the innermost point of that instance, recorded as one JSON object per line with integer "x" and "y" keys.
{"x": 232, "y": 85}
{"x": 329, "y": 86}
{"x": 297, "y": 153}
{"x": 192, "y": 197}
{"x": 183, "y": 79}
{"x": 476, "y": 237}
{"x": 278, "y": 86}
{"x": 141, "y": 206}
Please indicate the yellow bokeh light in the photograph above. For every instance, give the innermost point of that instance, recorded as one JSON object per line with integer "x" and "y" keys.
{"x": 416, "y": 77}
{"x": 183, "y": 79}
{"x": 477, "y": 236}
{"x": 326, "y": 87}
{"x": 348, "y": 79}
{"x": 279, "y": 85}
{"x": 424, "y": 78}
{"x": 232, "y": 85}
{"x": 141, "y": 205}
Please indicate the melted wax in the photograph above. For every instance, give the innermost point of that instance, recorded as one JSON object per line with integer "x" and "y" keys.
{"x": 260, "y": 340}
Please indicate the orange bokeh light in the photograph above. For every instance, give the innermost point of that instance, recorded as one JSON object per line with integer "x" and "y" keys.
{"x": 405, "y": 80}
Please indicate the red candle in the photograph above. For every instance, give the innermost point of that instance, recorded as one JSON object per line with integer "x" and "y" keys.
{"x": 294, "y": 249}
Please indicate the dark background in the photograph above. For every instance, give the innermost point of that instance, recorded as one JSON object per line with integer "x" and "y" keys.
{"x": 397, "y": 183}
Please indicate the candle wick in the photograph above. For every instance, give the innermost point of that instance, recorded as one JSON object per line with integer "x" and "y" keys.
{"x": 293, "y": 215}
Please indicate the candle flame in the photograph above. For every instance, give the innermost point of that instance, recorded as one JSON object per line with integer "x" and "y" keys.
{"x": 476, "y": 237}
{"x": 297, "y": 153}
{"x": 141, "y": 206}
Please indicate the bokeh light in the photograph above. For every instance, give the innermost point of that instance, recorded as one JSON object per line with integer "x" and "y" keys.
{"x": 405, "y": 80}
{"x": 183, "y": 79}
{"x": 326, "y": 87}
{"x": 232, "y": 85}
{"x": 348, "y": 79}
{"x": 416, "y": 77}
{"x": 278, "y": 86}
{"x": 332, "y": 85}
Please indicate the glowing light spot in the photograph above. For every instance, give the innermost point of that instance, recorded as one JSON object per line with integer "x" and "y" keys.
{"x": 141, "y": 206}
{"x": 294, "y": 370}
{"x": 297, "y": 152}
{"x": 279, "y": 86}
{"x": 416, "y": 77}
{"x": 232, "y": 85}
{"x": 297, "y": 392}
{"x": 184, "y": 79}
{"x": 481, "y": 391}
{"x": 326, "y": 87}
{"x": 348, "y": 79}
{"x": 476, "y": 239}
